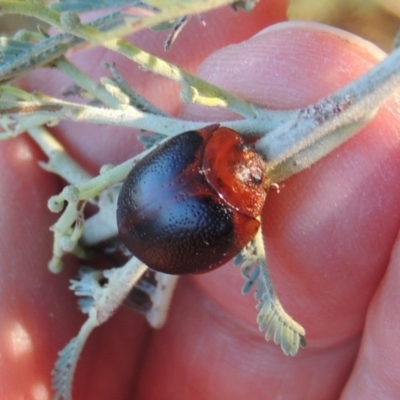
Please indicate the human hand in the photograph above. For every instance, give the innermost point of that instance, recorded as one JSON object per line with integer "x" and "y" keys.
{"x": 330, "y": 233}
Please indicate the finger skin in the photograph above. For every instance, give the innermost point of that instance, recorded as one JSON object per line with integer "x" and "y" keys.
{"x": 27, "y": 293}
{"x": 38, "y": 314}
{"x": 377, "y": 370}
{"x": 329, "y": 235}
{"x": 192, "y": 46}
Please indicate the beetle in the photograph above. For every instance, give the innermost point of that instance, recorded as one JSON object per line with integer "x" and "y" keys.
{"x": 194, "y": 202}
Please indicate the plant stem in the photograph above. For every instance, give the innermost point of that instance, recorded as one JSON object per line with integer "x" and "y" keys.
{"x": 206, "y": 91}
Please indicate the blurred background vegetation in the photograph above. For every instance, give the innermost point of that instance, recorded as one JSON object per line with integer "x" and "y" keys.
{"x": 374, "y": 20}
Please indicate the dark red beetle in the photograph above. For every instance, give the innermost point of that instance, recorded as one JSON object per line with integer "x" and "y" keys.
{"x": 193, "y": 203}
